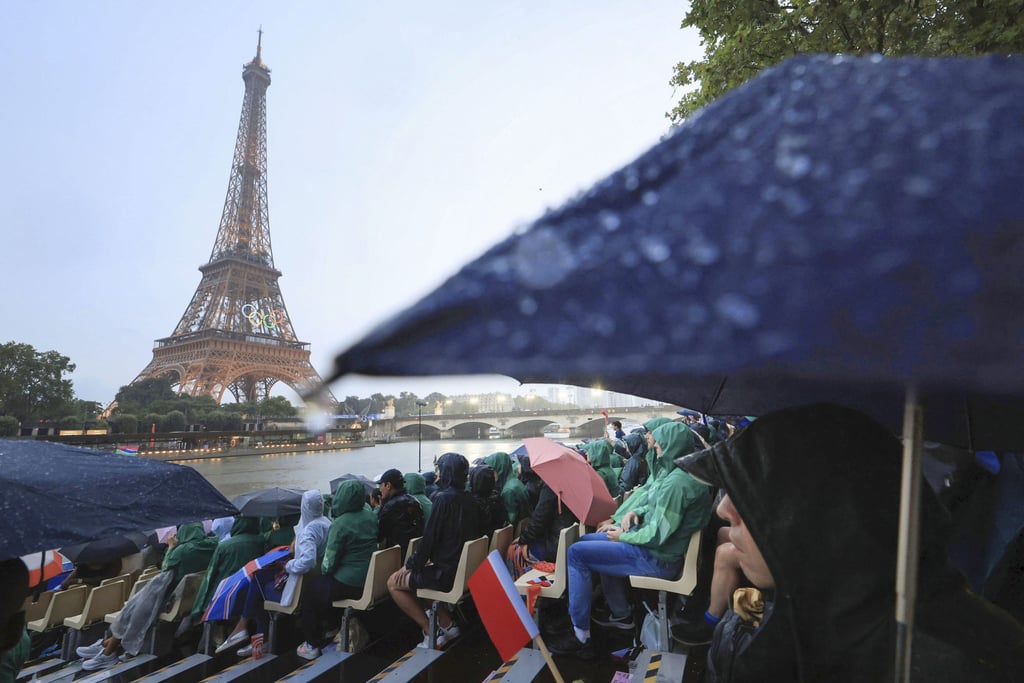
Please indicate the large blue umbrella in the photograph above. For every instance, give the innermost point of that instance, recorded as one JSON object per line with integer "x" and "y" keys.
{"x": 838, "y": 229}
{"x": 55, "y": 495}
{"x": 851, "y": 225}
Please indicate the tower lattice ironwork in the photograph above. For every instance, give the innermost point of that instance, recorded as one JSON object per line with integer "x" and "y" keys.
{"x": 236, "y": 334}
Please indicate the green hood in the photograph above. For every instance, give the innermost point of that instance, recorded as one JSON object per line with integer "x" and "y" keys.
{"x": 348, "y": 497}
{"x": 656, "y": 422}
{"x": 600, "y": 452}
{"x": 676, "y": 440}
{"x": 502, "y": 464}
{"x": 190, "y": 532}
{"x": 415, "y": 484}
{"x": 245, "y": 525}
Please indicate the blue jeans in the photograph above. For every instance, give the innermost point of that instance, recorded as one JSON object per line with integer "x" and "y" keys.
{"x": 615, "y": 562}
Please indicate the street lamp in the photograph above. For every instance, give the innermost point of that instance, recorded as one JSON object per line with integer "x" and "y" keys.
{"x": 419, "y": 420}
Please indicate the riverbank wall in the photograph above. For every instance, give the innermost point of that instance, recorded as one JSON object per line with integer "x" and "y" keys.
{"x": 241, "y": 451}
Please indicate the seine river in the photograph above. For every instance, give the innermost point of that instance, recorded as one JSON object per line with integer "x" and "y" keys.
{"x": 235, "y": 475}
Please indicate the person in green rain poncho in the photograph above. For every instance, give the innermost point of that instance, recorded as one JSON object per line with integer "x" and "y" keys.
{"x": 599, "y": 452}
{"x": 655, "y": 468}
{"x": 416, "y": 486}
{"x": 351, "y": 540}
{"x": 246, "y": 543}
{"x": 189, "y": 550}
{"x": 513, "y": 493}
{"x": 278, "y": 532}
{"x": 651, "y": 540}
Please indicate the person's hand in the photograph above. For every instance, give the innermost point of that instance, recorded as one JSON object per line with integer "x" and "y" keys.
{"x": 524, "y": 553}
{"x": 630, "y": 520}
{"x": 605, "y": 526}
{"x": 613, "y": 533}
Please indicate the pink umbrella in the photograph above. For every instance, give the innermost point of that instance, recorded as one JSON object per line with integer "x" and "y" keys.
{"x": 163, "y": 533}
{"x": 571, "y": 478}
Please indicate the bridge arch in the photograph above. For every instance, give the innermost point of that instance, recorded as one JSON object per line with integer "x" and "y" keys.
{"x": 430, "y": 432}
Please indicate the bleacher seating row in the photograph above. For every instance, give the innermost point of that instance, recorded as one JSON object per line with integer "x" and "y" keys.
{"x": 78, "y": 609}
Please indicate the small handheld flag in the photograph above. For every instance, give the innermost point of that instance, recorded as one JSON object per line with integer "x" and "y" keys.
{"x": 500, "y": 607}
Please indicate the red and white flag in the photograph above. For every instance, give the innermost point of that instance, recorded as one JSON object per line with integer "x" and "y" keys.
{"x": 501, "y": 607}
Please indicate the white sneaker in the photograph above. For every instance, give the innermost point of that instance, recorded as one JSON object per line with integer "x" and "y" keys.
{"x": 426, "y": 642}
{"x": 90, "y": 651}
{"x": 244, "y": 651}
{"x": 447, "y": 635}
{"x": 232, "y": 641}
{"x": 100, "y": 661}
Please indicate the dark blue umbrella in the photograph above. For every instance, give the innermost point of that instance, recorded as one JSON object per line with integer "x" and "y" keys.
{"x": 270, "y": 502}
{"x": 836, "y": 229}
{"x": 55, "y": 495}
{"x": 851, "y": 225}
{"x": 108, "y": 547}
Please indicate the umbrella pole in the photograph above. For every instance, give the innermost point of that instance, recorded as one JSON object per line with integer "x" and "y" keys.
{"x": 907, "y": 550}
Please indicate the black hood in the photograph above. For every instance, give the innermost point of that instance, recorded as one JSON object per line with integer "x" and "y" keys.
{"x": 481, "y": 480}
{"x": 452, "y": 470}
{"x": 819, "y": 488}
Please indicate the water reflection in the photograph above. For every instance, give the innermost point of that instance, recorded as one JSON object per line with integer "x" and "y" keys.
{"x": 233, "y": 476}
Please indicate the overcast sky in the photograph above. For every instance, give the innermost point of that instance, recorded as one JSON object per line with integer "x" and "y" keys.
{"x": 404, "y": 139}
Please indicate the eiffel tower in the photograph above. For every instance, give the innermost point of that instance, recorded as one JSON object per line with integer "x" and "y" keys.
{"x": 235, "y": 334}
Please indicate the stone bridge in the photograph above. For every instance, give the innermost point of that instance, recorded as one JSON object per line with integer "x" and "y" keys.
{"x": 518, "y": 424}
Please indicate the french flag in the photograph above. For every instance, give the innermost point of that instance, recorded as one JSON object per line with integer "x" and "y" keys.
{"x": 501, "y": 608}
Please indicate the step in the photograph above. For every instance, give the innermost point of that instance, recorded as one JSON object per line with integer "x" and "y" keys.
{"x": 176, "y": 668}
{"x": 522, "y": 668}
{"x": 116, "y": 670}
{"x": 65, "y": 673}
{"x": 659, "y": 667}
{"x": 316, "y": 667}
{"x": 409, "y": 665}
{"x": 237, "y": 671}
{"x": 40, "y": 668}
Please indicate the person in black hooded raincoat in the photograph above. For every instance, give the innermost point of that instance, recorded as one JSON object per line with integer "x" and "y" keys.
{"x": 812, "y": 496}
{"x": 482, "y": 482}
{"x": 454, "y": 520}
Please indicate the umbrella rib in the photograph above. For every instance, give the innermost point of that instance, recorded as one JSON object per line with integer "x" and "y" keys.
{"x": 717, "y": 395}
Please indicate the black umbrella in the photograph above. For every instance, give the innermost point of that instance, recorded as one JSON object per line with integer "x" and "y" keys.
{"x": 271, "y": 502}
{"x": 836, "y": 229}
{"x": 108, "y": 548}
{"x": 52, "y": 495}
{"x": 368, "y": 484}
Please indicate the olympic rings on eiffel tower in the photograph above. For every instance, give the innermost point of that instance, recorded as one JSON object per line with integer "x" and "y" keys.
{"x": 263, "y": 321}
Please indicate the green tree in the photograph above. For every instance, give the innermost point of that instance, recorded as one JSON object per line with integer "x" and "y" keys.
{"x": 8, "y": 425}
{"x": 125, "y": 423}
{"x": 215, "y": 420}
{"x": 741, "y": 37}
{"x": 71, "y": 422}
{"x": 277, "y": 406}
{"x": 32, "y": 383}
{"x": 173, "y": 421}
{"x": 139, "y": 395}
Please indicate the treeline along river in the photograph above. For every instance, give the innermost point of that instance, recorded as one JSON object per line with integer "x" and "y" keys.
{"x": 239, "y": 474}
